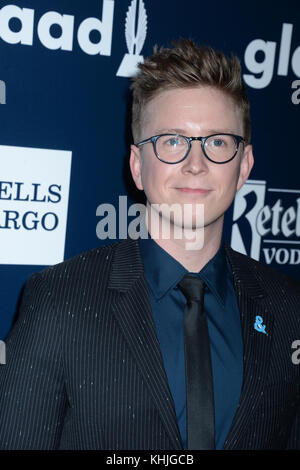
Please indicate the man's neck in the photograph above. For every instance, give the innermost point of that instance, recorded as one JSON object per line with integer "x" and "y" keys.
{"x": 194, "y": 259}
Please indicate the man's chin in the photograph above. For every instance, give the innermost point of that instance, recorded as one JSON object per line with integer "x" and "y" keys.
{"x": 179, "y": 221}
{"x": 183, "y": 229}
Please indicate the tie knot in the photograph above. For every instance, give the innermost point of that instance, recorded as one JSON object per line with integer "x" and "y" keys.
{"x": 192, "y": 288}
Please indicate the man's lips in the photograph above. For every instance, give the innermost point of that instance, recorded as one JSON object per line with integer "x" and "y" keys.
{"x": 194, "y": 190}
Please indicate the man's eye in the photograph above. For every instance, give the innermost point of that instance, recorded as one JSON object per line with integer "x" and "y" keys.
{"x": 217, "y": 143}
{"x": 174, "y": 141}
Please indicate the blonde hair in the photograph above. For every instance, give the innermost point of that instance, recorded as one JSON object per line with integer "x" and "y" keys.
{"x": 187, "y": 65}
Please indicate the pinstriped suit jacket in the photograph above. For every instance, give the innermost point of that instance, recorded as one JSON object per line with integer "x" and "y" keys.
{"x": 84, "y": 368}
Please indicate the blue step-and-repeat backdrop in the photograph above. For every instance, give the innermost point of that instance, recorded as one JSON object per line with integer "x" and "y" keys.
{"x": 65, "y": 68}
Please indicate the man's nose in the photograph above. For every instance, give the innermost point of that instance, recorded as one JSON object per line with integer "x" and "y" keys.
{"x": 196, "y": 161}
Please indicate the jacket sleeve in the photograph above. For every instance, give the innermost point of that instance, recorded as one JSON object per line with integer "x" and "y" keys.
{"x": 294, "y": 440}
{"x": 33, "y": 399}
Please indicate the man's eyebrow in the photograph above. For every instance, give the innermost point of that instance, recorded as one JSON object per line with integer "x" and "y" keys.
{"x": 183, "y": 132}
{"x": 170, "y": 131}
{"x": 220, "y": 131}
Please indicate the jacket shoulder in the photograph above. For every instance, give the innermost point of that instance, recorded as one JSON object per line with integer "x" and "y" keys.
{"x": 95, "y": 258}
{"x": 267, "y": 276}
{"x": 88, "y": 270}
{"x": 71, "y": 282}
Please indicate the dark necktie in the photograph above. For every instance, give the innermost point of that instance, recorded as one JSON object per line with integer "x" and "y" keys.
{"x": 199, "y": 381}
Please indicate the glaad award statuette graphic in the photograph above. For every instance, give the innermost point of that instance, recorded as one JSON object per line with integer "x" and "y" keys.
{"x": 134, "y": 41}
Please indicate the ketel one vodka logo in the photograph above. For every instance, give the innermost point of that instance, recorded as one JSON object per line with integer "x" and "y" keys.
{"x": 266, "y": 223}
{"x": 135, "y": 34}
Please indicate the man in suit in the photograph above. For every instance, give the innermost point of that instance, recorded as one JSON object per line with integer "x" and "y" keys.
{"x": 102, "y": 356}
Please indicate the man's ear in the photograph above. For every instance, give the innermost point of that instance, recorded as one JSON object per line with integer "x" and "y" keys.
{"x": 136, "y": 166}
{"x": 246, "y": 165}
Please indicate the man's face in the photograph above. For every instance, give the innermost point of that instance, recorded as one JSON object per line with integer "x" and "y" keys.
{"x": 193, "y": 112}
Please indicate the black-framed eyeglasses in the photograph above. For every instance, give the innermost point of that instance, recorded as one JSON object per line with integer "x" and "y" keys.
{"x": 174, "y": 148}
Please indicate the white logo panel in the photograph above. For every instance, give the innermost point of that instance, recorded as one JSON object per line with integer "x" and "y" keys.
{"x": 34, "y": 193}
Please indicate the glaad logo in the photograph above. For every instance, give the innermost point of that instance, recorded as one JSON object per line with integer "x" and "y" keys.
{"x": 25, "y": 21}
{"x": 135, "y": 42}
{"x": 17, "y": 27}
{"x": 34, "y": 192}
{"x": 262, "y": 71}
{"x": 2, "y": 92}
{"x": 272, "y": 229}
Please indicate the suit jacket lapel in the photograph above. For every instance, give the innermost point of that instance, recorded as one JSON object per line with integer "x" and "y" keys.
{"x": 131, "y": 307}
{"x": 252, "y": 302}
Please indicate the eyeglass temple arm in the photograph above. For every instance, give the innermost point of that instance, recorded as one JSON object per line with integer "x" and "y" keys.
{"x": 151, "y": 139}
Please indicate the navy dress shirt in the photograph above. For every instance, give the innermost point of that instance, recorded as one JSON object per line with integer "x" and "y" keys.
{"x": 163, "y": 273}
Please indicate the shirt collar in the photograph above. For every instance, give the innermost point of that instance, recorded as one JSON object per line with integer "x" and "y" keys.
{"x": 163, "y": 272}
{"x": 215, "y": 274}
